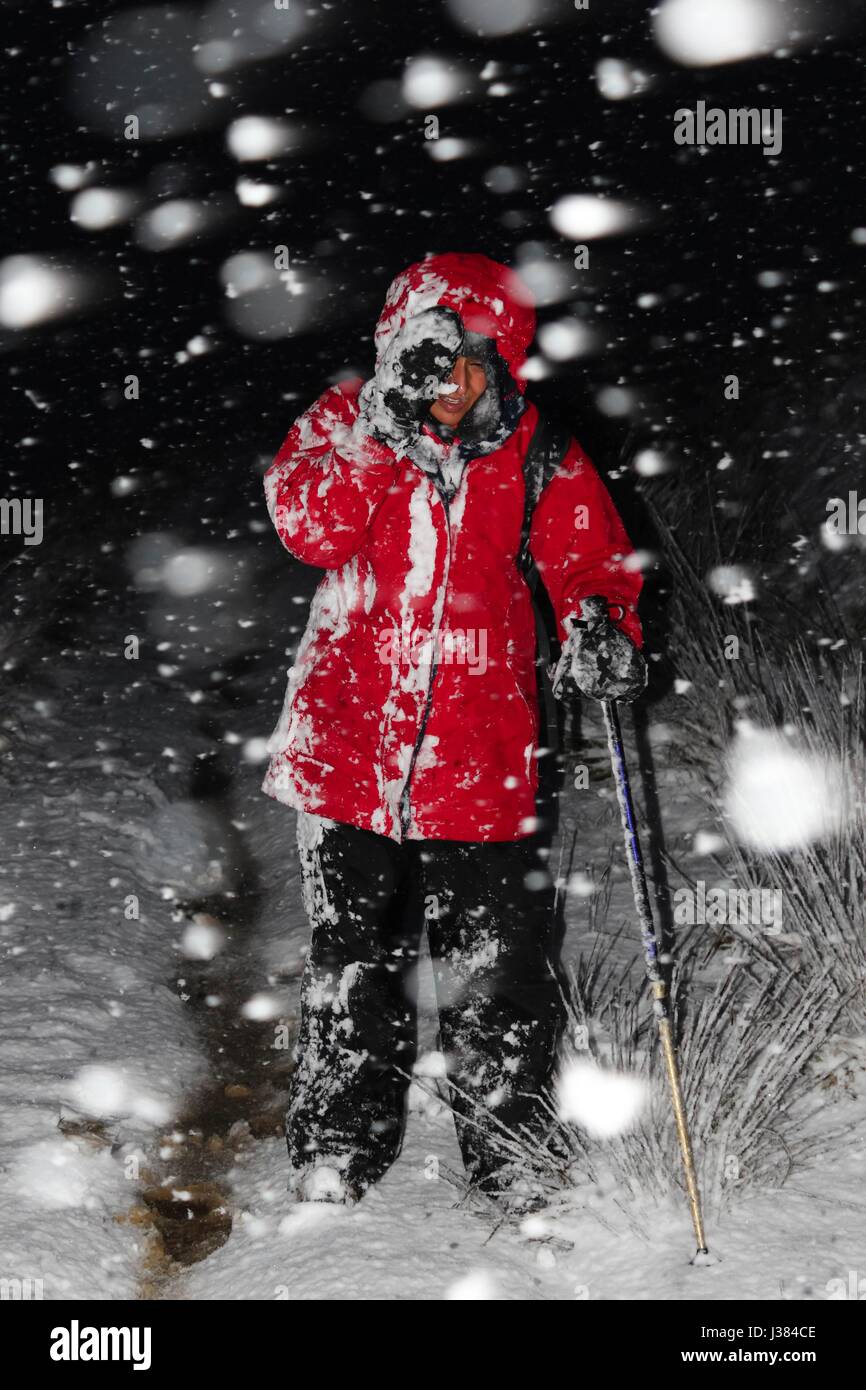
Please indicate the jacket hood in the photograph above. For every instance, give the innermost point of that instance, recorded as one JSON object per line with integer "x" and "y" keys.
{"x": 491, "y": 300}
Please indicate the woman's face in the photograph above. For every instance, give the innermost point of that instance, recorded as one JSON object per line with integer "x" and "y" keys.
{"x": 470, "y": 379}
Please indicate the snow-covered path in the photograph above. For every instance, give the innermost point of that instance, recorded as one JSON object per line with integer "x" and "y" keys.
{"x": 98, "y": 1046}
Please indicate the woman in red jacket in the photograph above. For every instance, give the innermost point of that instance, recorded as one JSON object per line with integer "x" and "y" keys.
{"x": 408, "y": 741}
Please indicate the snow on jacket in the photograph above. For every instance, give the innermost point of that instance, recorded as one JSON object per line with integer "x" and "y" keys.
{"x": 412, "y": 706}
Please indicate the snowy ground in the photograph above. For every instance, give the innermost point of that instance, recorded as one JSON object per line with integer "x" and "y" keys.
{"x": 83, "y": 986}
{"x": 411, "y": 1239}
{"x": 100, "y": 755}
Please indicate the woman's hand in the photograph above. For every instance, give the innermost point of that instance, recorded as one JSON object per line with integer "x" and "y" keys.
{"x": 598, "y": 660}
{"x": 410, "y": 375}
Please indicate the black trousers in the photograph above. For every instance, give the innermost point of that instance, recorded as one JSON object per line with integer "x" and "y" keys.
{"x": 488, "y": 911}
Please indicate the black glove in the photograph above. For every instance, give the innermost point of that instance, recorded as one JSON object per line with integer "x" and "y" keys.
{"x": 409, "y": 377}
{"x": 598, "y": 660}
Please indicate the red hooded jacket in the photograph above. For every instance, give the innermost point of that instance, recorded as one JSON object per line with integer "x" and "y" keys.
{"x": 412, "y": 707}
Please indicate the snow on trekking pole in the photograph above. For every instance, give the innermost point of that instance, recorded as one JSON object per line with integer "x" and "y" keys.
{"x": 651, "y": 945}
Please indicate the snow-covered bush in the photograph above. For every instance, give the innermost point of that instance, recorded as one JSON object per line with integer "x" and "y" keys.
{"x": 749, "y": 1059}
{"x": 745, "y": 1052}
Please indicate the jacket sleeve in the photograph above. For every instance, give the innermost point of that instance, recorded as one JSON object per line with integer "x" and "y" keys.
{"x": 327, "y": 482}
{"x": 581, "y": 547}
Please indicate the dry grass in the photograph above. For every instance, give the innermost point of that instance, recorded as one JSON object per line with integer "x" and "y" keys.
{"x": 749, "y": 1052}
{"x": 779, "y": 682}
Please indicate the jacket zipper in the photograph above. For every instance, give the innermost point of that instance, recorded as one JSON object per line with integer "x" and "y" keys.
{"x": 405, "y": 811}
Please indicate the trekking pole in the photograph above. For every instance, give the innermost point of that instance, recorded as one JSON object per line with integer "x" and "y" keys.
{"x": 651, "y": 947}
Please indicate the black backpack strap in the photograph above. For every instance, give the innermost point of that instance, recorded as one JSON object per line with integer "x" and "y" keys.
{"x": 547, "y": 449}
